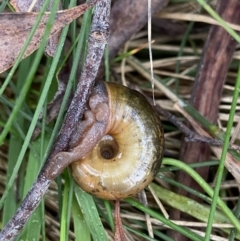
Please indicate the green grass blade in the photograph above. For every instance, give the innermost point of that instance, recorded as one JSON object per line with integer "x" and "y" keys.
{"x": 91, "y": 216}
{"x": 223, "y": 156}
{"x": 66, "y": 208}
{"x": 15, "y": 145}
{"x": 19, "y": 58}
{"x": 31, "y": 74}
{"x": 205, "y": 187}
{"x": 188, "y": 233}
{"x": 109, "y": 214}
{"x": 3, "y": 5}
{"x": 33, "y": 227}
{"x": 39, "y": 106}
{"x": 81, "y": 229}
{"x": 220, "y": 20}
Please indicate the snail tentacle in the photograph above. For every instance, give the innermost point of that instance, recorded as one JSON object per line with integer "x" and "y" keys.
{"x": 86, "y": 134}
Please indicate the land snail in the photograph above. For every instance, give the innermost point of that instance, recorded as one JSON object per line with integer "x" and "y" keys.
{"x": 128, "y": 156}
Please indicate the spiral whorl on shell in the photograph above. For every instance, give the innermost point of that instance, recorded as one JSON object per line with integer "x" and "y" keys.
{"x": 128, "y": 157}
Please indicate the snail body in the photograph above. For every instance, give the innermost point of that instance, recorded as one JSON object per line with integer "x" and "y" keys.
{"x": 128, "y": 156}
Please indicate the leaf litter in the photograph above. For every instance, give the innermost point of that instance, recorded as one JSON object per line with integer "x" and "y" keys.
{"x": 15, "y": 28}
{"x": 35, "y": 6}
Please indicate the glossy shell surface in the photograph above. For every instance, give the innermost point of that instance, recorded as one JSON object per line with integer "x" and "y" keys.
{"x": 138, "y": 143}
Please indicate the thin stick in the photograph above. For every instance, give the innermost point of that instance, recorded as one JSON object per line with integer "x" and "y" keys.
{"x": 119, "y": 231}
{"x": 143, "y": 199}
{"x": 97, "y": 40}
{"x": 150, "y": 46}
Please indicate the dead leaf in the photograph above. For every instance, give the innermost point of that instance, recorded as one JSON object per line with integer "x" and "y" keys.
{"x": 15, "y": 28}
{"x": 25, "y": 5}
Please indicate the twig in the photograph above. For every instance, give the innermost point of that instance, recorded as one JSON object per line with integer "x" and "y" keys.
{"x": 190, "y": 135}
{"x": 143, "y": 199}
{"x": 119, "y": 231}
{"x": 96, "y": 44}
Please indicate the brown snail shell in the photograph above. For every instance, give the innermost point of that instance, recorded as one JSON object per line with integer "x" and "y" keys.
{"x": 128, "y": 157}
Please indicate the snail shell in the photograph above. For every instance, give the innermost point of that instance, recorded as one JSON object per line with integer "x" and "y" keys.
{"x": 128, "y": 157}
